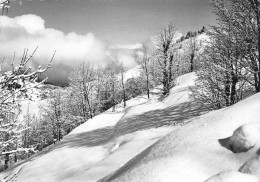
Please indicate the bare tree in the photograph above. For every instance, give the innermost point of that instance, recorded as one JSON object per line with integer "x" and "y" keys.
{"x": 193, "y": 48}
{"x": 226, "y": 62}
{"x": 165, "y": 49}
{"x": 56, "y": 113}
{"x": 82, "y": 82}
{"x": 113, "y": 82}
{"x": 145, "y": 67}
{"x": 245, "y": 23}
{"x": 122, "y": 72}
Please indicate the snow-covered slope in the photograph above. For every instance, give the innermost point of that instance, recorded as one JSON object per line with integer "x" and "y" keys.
{"x": 195, "y": 152}
{"x": 108, "y": 141}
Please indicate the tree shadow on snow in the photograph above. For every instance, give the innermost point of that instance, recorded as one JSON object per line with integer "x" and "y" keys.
{"x": 87, "y": 139}
{"x": 152, "y": 119}
{"x": 156, "y": 118}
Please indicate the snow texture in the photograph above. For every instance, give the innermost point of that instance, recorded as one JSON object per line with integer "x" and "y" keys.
{"x": 132, "y": 144}
{"x": 251, "y": 167}
{"x": 243, "y": 139}
{"x": 192, "y": 152}
{"x": 233, "y": 176}
{"x": 105, "y": 143}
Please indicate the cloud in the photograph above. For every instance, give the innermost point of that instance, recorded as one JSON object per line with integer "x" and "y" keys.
{"x": 126, "y": 54}
{"x": 131, "y": 47}
{"x": 29, "y": 31}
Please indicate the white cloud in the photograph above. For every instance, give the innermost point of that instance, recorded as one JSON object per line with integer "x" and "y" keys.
{"x": 28, "y": 31}
{"x": 132, "y": 46}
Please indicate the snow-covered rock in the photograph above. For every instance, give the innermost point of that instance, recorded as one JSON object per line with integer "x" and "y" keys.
{"x": 243, "y": 139}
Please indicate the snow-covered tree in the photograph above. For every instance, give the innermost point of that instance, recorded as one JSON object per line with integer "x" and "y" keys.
{"x": 14, "y": 85}
{"x": 224, "y": 69}
{"x": 192, "y": 52}
{"x": 112, "y": 83}
{"x": 56, "y": 114}
{"x": 165, "y": 49}
{"x": 4, "y": 6}
{"x": 82, "y": 82}
{"x": 246, "y": 23}
{"x": 145, "y": 61}
{"x": 122, "y": 73}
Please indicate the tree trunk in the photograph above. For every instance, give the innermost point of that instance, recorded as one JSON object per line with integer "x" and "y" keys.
{"x": 258, "y": 23}
{"x": 114, "y": 97}
{"x": 233, "y": 89}
{"x": 147, "y": 88}
{"x": 227, "y": 90}
{"x": 165, "y": 78}
{"x": 192, "y": 62}
{"x": 170, "y": 72}
{"x": 6, "y": 161}
{"x": 123, "y": 86}
{"x": 147, "y": 79}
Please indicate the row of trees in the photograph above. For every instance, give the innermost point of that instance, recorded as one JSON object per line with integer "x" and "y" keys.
{"x": 230, "y": 70}
{"x": 90, "y": 92}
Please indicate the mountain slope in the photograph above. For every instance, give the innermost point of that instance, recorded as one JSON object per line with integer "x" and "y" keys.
{"x": 108, "y": 141}
{"x": 193, "y": 152}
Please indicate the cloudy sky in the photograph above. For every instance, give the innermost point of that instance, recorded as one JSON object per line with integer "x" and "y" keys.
{"x": 118, "y": 21}
{"x": 93, "y": 30}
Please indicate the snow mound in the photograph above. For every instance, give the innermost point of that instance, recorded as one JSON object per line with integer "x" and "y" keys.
{"x": 243, "y": 139}
{"x": 181, "y": 93}
{"x": 233, "y": 176}
{"x": 102, "y": 145}
{"x": 251, "y": 167}
{"x": 107, "y": 119}
{"x": 186, "y": 80}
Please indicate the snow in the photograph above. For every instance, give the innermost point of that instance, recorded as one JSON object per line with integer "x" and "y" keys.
{"x": 121, "y": 150}
{"x": 132, "y": 73}
{"x": 192, "y": 152}
{"x": 134, "y": 144}
{"x": 101, "y": 121}
{"x": 138, "y": 105}
{"x": 32, "y": 107}
{"x": 243, "y": 139}
{"x": 252, "y": 166}
{"x": 105, "y": 143}
{"x": 233, "y": 176}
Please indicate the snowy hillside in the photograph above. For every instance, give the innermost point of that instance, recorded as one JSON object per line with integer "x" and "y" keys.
{"x": 201, "y": 149}
{"x": 131, "y": 143}
{"x": 108, "y": 141}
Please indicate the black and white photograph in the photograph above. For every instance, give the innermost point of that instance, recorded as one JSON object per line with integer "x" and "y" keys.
{"x": 129, "y": 90}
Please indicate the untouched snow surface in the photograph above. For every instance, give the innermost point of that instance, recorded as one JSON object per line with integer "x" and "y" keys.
{"x": 107, "y": 142}
{"x": 193, "y": 152}
{"x": 233, "y": 176}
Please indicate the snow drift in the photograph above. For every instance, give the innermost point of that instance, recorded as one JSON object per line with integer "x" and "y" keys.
{"x": 132, "y": 144}
{"x": 105, "y": 143}
{"x": 193, "y": 153}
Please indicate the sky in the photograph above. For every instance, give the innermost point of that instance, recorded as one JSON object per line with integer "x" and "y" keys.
{"x": 118, "y": 21}
{"x": 92, "y": 30}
